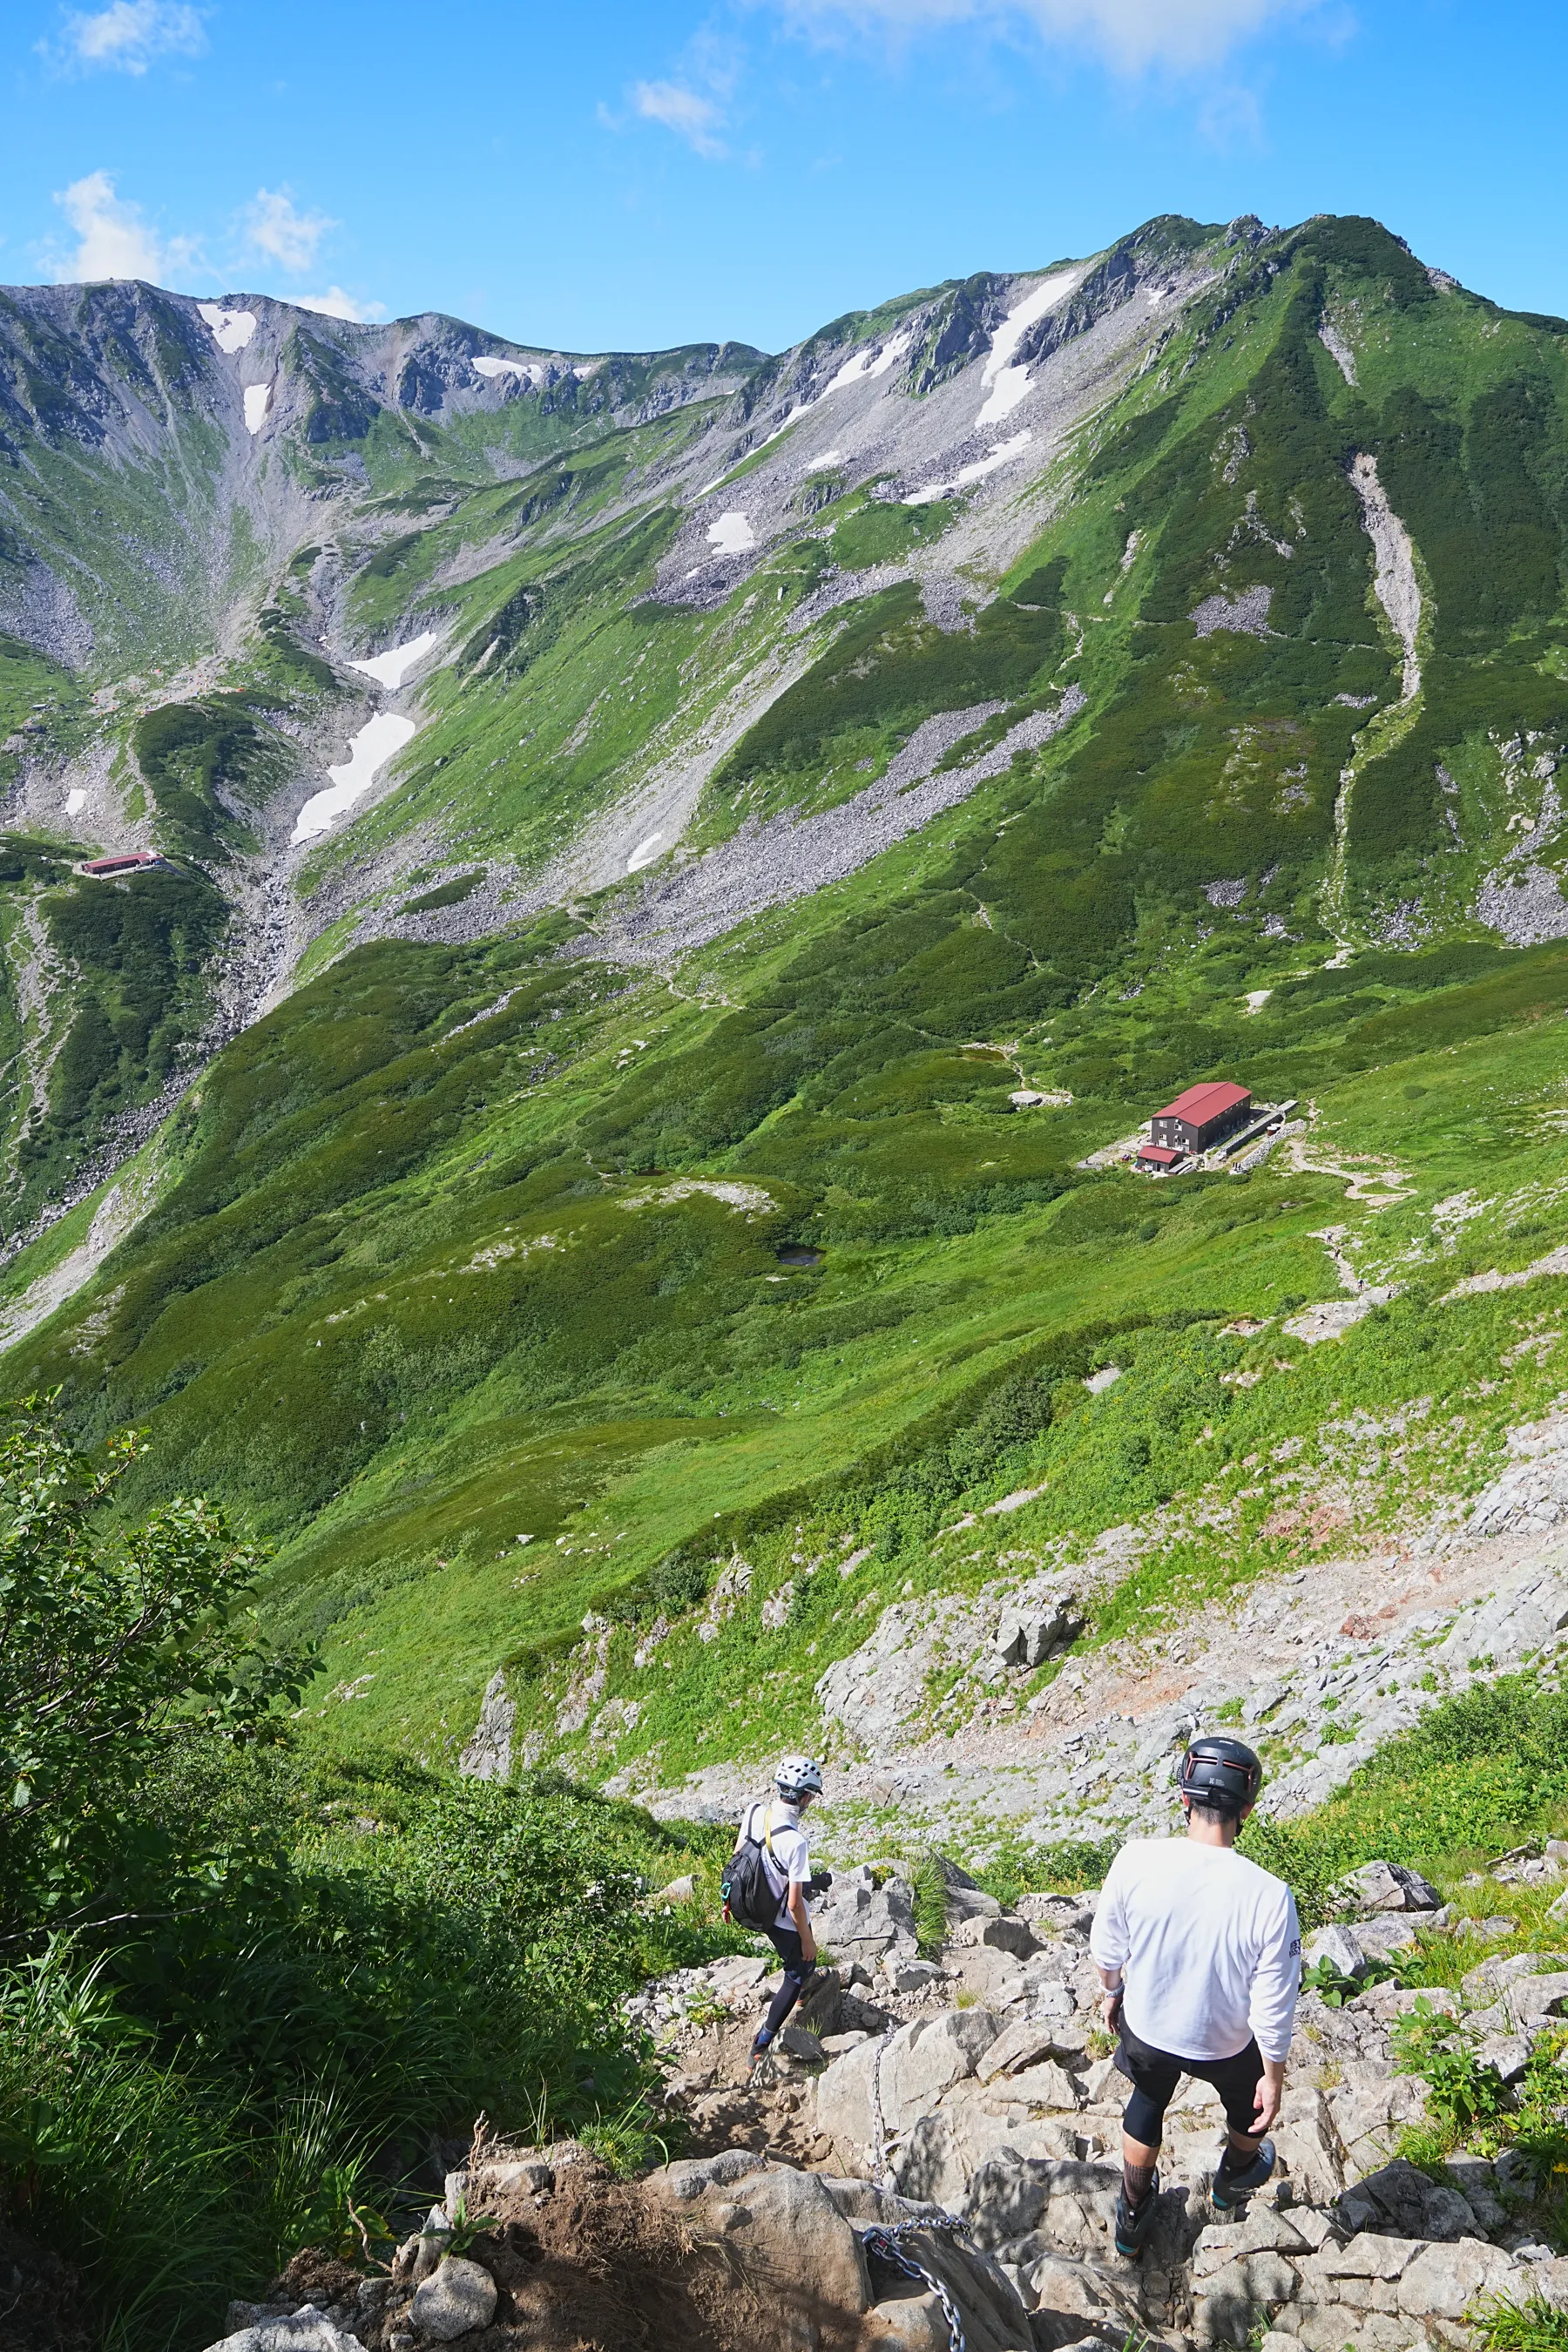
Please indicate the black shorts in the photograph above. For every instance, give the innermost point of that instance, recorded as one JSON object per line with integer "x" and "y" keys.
{"x": 1154, "y": 2074}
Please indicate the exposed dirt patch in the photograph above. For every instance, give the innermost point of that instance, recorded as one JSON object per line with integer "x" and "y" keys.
{"x": 593, "y": 2267}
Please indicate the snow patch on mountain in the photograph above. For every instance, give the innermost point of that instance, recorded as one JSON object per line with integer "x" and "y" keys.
{"x": 868, "y": 362}
{"x": 391, "y": 668}
{"x": 859, "y": 368}
{"x": 1004, "y": 384}
{"x": 530, "y": 370}
{"x": 1002, "y": 455}
{"x": 369, "y": 753}
{"x": 731, "y": 534}
{"x": 258, "y": 401}
{"x": 232, "y": 330}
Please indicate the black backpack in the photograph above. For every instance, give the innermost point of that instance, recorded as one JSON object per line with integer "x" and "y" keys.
{"x": 749, "y": 1896}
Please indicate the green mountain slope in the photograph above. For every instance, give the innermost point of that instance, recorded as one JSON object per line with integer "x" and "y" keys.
{"x": 1078, "y": 685}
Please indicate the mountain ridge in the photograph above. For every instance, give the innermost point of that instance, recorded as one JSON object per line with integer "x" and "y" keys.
{"x": 1042, "y": 689}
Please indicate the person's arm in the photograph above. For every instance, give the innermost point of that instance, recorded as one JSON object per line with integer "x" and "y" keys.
{"x": 801, "y": 1920}
{"x": 1108, "y": 1941}
{"x": 1274, "y": 1989}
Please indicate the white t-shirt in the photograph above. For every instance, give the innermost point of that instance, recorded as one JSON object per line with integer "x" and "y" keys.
{"x": 1209, "y": 1947}
{"x": 787, "y": 1865}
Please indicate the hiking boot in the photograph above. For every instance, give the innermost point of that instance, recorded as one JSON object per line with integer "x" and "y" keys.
{"x": 761, "y": 2047}
{"x": 1233, "y": 2188}
{"x": 1133, "y": 2222}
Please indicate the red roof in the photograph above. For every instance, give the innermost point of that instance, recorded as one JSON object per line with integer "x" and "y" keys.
{"x": 1200, "y": 1104}
{"x": 1161, "y": 1154}
{"x": 123, "y": 862}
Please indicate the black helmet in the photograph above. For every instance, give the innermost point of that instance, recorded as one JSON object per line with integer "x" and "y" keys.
{"x": 1219, "y": 1772}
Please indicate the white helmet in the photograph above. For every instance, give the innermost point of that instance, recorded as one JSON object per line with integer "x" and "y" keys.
{"x": 797, "y": 1776}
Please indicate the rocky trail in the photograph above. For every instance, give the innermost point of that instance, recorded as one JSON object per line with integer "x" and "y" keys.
{"x": 930, "y": 2159}
{"x": 1323, "y": 1665}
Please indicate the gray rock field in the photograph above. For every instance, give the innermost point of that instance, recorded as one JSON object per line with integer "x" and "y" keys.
{"x": 922, "y": 2152}
{"x": 1325, "y": 1664}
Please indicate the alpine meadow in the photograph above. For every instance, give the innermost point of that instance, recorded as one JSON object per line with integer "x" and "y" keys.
{"x": 588, "y": 946}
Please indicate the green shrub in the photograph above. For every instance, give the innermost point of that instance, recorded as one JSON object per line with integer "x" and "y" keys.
{"x": 680, "y": 1581}
{"x": 1532, "y": 2325}
{"x": 1466, "y": 2095}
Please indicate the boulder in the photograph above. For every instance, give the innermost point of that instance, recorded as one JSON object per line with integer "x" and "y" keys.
{"x": 1070, "y": 2300}
{"x": 1029, "y": 1633}
{"x": 1441, "y": 2283}
{"x": 971, "y": 1902}
{"x": 1309, "y": 2145}
{"x": 1066, "y": 1915}
{"x": 1475, "y": 2178}
{"x": 521, "y": 2175}
{"x": 909, "y": 1976}
{"x": 1339, "y": 1947}
{"x": 742, "y": 1972}
{"x": 432, "y": 2243}
{"x": 1067, "y": 2201}
{"x": 1045, "y": 2085}
{"x": 456, "y": 2297}
{"x": 1027, "y": 2043}
{"x": 1508, "y": 2055}
{"x": 918, "y": 2063}
{"x": 946, "y": 2149}
{"x": 999, "y": 1934}
{"x": 1410, "y": 2205}
{"x": 1388, "y": 1887}
{"x": 990, "y": 2309}
{"x": 1367, "y": 2114}
{"x": 1227, "y": 2308}
{"x": 306, "y": 2330}
{"x": 487, "y": 1755}
{"x": 1534, "y": 2001}
{"x": 1265, "y": 2231}
{"x": 990, "y": 1975}
{"x": 860, "y": 1921}
{"x": 681, "y": 2182}
{"x": 912, "y": 2322}
{"x": 1389, "y": 1932}
{"x": 790, "y": 2238}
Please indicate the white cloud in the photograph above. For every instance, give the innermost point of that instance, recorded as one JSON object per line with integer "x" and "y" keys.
{"x": 289, "y": 237}
{"x": 335, "y": 304}
{"x": 691, "y": 117}
{"x": 112, "y": 238}
{"x": 1131, "y": 34}
{"x": 128, "y": 35}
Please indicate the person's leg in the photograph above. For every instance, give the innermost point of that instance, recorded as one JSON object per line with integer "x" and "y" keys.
{"x": 786, "y": 1943}
{"x": 1248, "y": 2158}
{"x": 1142, "y": 2128}
{"x": 1153, "y": 2074}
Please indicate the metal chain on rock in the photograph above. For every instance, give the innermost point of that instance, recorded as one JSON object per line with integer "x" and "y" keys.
{"x": 878, "y": 2134}
{"x": 884, "y": 2242}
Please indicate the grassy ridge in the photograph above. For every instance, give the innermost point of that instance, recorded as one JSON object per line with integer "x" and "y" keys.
{"x": 434, "y": 1278}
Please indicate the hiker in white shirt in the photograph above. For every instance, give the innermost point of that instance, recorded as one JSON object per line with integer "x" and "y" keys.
{"x": 775, "y": 1824}
{"x": 1199, "y": 1954}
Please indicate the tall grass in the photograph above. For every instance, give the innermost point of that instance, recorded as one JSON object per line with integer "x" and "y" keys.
{"x": 268, "y": 2055}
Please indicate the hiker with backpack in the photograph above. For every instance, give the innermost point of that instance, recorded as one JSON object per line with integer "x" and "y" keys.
{"x": 768, "y": 1879}
{"x": 1199, "y": 1954}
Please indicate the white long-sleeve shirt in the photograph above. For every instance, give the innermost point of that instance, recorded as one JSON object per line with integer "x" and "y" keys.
{"x": 1209, "y": 1947}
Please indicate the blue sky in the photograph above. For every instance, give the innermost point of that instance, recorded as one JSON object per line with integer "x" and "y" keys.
{"x": 636, "y": 175}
